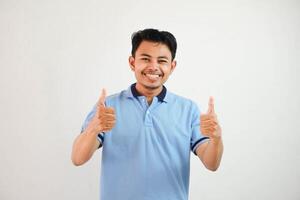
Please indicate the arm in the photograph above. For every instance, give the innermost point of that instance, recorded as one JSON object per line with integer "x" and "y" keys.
{"x": 210, "y": 153}
{"x": 87, "y": 143}
{"x": 84, "y": 147}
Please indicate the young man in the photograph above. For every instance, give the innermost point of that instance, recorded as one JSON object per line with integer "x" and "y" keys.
{"x": 147, "y": 132}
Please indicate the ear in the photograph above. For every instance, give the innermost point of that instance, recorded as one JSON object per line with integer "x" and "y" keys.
{"x": 131, "y": 62}
{"x": 173, "y": 65}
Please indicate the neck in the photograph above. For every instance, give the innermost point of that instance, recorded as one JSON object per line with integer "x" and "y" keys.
{"x": 149, "y": 93}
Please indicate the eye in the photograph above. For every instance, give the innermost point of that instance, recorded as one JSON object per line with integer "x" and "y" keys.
{"x": 162, "y": 61}
{"x": 145, "y": 59}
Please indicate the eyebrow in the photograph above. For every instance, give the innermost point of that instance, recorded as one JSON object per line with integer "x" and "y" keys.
{"x": 159, "y": 57}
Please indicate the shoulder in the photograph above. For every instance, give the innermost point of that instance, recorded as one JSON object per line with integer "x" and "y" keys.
{"x": 116, "y": 97}
{"x": 181, "y": 100}
{"x": 184, "y": 107}
{"x": 183, "y": 104}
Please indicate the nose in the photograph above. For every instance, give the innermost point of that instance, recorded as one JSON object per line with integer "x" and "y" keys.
{"x": 154, "y": 65}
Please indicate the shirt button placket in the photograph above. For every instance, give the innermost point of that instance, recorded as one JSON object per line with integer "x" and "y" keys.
{"x": 148, "y": 118}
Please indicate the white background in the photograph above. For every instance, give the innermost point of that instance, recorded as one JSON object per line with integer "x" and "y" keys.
{"x": 55, "y": 57}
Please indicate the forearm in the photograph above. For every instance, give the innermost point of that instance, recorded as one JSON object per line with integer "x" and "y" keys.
{"x": 213, "y": 154}
{"x": 83, "y": 147}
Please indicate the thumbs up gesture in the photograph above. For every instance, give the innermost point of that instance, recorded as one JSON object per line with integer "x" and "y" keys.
{"x": 209, "y": 124}
{"x": 104, "y": 119}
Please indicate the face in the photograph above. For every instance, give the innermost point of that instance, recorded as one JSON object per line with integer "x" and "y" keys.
{"x": 152, "y": 65}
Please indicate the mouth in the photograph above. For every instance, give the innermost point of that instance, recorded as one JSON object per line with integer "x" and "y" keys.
{"x": 152, "y": 76}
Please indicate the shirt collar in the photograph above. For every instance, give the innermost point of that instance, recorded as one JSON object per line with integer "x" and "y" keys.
{"x": 161, "y": 96}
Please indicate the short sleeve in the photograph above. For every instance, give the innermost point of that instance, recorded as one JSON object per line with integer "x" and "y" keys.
{"x": 197, "y": 138}
{"x": 86, "y": 122}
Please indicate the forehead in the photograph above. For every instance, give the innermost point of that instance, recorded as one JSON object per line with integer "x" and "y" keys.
{"x": 154, "y": 49}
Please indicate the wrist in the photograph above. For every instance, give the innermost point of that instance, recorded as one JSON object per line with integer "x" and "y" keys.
{"x": 92, "y": 132}
{"x": 216, "y": 140}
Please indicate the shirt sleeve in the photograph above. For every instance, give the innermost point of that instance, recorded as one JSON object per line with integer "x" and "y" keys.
{"x": 89, "y": 117}
{"x": 197, "y": 138}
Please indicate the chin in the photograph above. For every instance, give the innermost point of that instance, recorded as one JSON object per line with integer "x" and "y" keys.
{"x": 152, "y": 86}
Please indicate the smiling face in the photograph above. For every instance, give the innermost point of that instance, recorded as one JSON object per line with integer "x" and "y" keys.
{"x": 152, "y": 64}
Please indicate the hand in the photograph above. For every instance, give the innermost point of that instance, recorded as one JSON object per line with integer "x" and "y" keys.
{"x": 104, "y": 119}
{"x": 209, "y": 124}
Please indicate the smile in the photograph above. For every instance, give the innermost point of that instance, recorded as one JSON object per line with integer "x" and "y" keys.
{"x": 152, "y": 76}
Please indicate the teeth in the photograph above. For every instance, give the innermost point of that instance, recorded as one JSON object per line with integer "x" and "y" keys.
{"x": 152, "y": 76}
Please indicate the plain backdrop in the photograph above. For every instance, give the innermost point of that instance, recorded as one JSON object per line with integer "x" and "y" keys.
{"x": 56, "y": 56}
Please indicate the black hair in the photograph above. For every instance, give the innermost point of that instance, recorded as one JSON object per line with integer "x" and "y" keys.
{"x": 154, "y": 35}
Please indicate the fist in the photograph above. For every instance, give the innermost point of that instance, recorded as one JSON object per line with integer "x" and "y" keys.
{"x": 104, "y": 119}
{"x": 209, "y": 124}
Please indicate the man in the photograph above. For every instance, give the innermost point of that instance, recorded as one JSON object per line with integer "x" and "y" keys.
{"x": 147, "y": 132}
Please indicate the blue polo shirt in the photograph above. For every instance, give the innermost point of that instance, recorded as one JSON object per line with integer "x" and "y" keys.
{"x": 146, "y": 156}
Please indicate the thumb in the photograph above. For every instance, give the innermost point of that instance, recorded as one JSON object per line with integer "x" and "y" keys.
{"x": 211, "y": 106}
{"x": 101, "y": 101}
